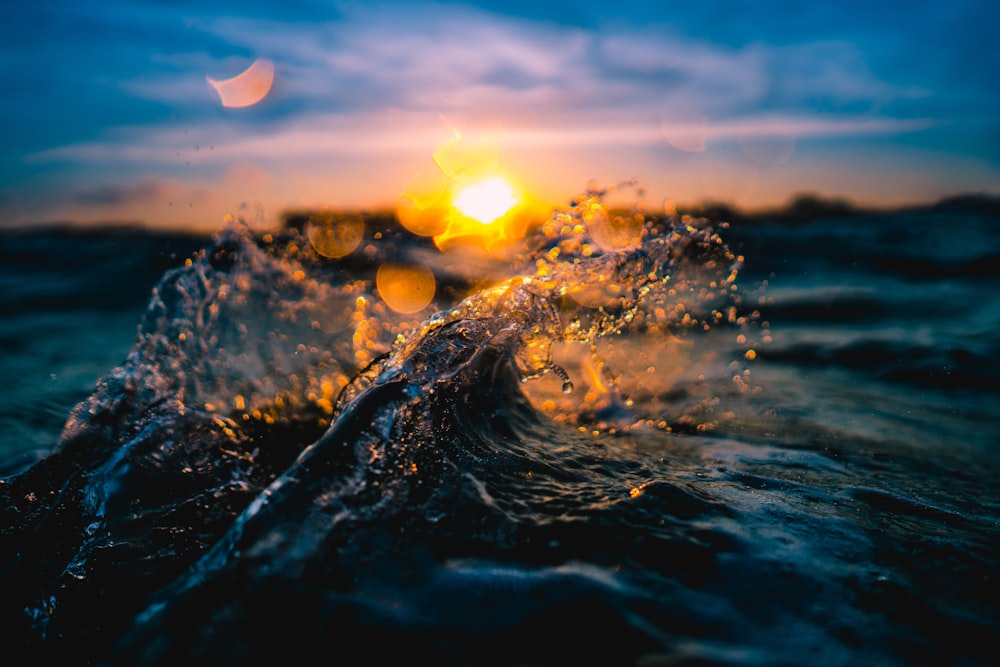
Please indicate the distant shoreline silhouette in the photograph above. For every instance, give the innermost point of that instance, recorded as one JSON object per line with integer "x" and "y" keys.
{"x": 802, "y": 207}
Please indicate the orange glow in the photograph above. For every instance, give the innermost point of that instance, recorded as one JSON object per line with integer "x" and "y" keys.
{"x": 335, "y": 235}
{"x": 459, "y": 159}
{"x": 424, "y": 206}
{"x": 614, "y": 231}
{"x": 485, "y": 201}
{"x": 466, "y": 198}
{"x": 593, "y": 371}
{"x": 405, "y": 289}
{"x": 247, "y": 88}
{"x": 496, "y": 236}
{"x": 598, "y": 295}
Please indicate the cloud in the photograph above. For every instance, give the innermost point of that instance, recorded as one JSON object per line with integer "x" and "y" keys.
{"x": 446, "y": 59}
{"x": 424, "y": 57}
{"x": 380, "y": 81}
{"x": 399, "y": 134}
{"x": 145, "y": 191}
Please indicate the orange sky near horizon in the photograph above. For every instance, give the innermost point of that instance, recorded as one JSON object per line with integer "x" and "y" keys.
{"x": 262, "y": 191}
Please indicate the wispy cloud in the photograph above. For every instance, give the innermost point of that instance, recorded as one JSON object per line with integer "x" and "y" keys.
{"x": 336, "y": 83}
{"x": 382, "y": 85}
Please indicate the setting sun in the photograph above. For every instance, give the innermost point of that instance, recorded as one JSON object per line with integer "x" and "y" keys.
{"x": 485, "y": 201}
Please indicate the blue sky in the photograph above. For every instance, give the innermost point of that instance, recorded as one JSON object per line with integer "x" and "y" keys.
{"x": 109, "y": 115}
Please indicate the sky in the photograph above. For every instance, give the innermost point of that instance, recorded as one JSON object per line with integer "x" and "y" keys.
{"x": 111, "y": 114}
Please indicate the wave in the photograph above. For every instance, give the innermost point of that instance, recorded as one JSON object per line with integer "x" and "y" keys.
{"x": 547, "y": 452}
{"x": 276, "y": 418}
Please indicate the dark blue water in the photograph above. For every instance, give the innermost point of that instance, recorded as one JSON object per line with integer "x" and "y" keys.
{"x": 735, "y": 441}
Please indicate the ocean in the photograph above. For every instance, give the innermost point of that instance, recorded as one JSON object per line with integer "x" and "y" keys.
{"x": 629, "y": 438}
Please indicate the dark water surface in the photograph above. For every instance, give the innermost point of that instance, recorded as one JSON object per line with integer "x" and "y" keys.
{"x": 773, "y": 441}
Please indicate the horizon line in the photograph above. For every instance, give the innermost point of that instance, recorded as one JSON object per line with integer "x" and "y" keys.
{"x": 798, "y": 204}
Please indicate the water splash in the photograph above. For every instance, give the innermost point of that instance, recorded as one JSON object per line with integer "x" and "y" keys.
{"x": 591, "y": 273}
{"x": 274, "y": 328}
{"x": 411, "y": 430}
{"x": 257, "y": 331}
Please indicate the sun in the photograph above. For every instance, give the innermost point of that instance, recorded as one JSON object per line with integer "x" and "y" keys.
{"x": 485, "y": 201}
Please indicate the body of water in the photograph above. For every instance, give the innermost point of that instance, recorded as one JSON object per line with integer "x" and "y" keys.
{"x": 631, "y": 440}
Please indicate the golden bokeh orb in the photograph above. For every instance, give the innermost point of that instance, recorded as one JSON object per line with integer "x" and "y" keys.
{"x": 405, "y": 289}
